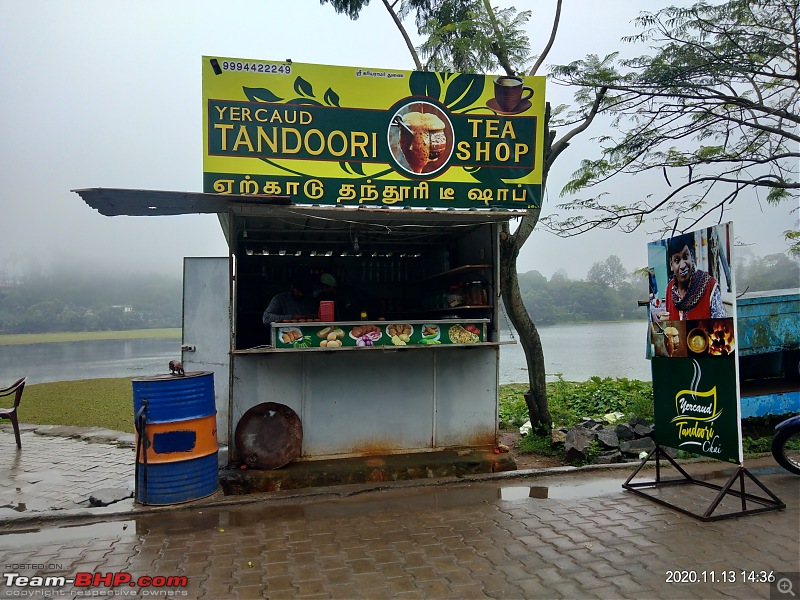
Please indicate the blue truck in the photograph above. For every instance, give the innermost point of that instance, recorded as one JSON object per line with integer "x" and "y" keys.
{"x": 768, "y": 325}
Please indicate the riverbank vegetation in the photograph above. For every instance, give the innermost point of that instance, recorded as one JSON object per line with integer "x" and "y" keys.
{"x": 596, "y": 397}
{"x": 572, "y": 400}
{"x": 104, "y": 403}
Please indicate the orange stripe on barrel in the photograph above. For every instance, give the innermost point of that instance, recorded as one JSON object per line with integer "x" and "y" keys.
{"x": 181, "y": 440}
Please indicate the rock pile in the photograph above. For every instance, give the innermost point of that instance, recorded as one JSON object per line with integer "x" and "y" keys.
{"x": 623, "y": 442}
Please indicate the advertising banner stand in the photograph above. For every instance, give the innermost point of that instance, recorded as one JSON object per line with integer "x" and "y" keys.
{"x": 692, "y": 344}
{"x": 735, "y": 487}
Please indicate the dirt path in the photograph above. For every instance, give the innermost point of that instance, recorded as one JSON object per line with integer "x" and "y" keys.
{"x": 527, "y": 461}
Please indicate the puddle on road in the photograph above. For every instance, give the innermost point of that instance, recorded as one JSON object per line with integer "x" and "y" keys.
{"x": 55, "y": 535}
{"x": 237, "y": 518}
{"x": 397, "y": 501}
{"x": 588, "y": 489}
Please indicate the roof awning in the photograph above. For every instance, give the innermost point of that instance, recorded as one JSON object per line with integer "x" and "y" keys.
{"x": 113, "y": 202}
{"x": 116, "y": 202}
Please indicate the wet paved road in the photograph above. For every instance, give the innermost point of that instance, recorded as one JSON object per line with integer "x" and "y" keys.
{"x": 520, "y": 538}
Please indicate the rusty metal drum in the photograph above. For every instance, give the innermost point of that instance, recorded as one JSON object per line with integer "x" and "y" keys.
{"x": 176, "y": 438}
{"x": 269, "y": 436}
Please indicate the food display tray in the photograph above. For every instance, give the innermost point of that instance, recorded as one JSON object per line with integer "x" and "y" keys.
{"x": 378, "y": 334}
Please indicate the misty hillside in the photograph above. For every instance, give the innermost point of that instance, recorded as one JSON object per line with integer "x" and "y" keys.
{"x": 72, "y": 301}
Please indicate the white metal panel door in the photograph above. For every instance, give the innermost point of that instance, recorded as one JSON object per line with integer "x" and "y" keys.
{"x": 207, "y": 328}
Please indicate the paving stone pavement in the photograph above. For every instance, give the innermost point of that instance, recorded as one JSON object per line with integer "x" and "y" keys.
{"x": 59, "y": 468}
{"x": 574, "y": 535}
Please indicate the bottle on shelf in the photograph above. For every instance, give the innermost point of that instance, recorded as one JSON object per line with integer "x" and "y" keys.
{"x": 455, "y": 296}
{"x": 476, "y": 294}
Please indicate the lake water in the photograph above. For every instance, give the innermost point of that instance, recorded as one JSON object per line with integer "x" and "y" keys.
{"x": 69, "y": 361}
{"x": 577, "y": 352}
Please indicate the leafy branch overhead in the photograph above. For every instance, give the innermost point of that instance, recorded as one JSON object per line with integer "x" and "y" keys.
{"x": 714, "y": 111}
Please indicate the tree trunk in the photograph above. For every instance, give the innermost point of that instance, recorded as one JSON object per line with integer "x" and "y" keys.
{"x": 536, "y": 400}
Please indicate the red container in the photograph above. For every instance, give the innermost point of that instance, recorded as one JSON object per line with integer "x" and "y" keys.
{"x": 326, "y": 312}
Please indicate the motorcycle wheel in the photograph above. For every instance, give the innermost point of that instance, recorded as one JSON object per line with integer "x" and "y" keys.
{"x": 786, "y": 449}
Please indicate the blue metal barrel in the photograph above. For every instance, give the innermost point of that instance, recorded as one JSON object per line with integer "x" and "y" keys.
{"x": 176, "y": 450}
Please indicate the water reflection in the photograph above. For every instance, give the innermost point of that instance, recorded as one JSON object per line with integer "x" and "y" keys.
{"x": 52, "y": 536}
{"x": 95, "y": 359}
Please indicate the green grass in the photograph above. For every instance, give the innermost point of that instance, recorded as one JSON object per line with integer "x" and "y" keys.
{"x": 87, "y": 403}
{"x": 571, "y": 400}
{"x": 80, "y": 336}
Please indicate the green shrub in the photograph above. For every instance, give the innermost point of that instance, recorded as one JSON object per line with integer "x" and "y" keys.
{"x": 592, "y": 450}
{"x": 538, "y": 444}
{"x": 598, "y": 396}
{"x": 513, "y": 411}
{"x": 569, "y": 400}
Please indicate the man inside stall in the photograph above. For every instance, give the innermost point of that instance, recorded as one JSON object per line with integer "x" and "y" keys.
{"x": 326, "y": 288}
{"x": 294, "y": 304}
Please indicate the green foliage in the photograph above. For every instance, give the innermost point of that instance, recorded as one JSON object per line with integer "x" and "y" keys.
{"x": 538, "y": 444}
{"x": 794, "y": 238}
{"x": 462, "y": 38}
{"x": 608, "y": 297}
{"x": 569, "y": 401}
{"x": 771, "y": 272}
{"x": 610, "y": 272}
{"x": 713, "y": 108}
{"x": 592, "y": 451}
{"x": 513, "y": 412}
{"x": 756, "y": 445}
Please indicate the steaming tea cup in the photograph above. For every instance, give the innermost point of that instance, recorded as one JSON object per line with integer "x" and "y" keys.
{"x": 509, "y": 92}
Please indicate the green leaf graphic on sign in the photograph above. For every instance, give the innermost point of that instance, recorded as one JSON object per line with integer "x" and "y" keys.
{"x": 260, "y": 95}
{"x": 302, "y": 101}
{"x": 424, "y": 83}
{"x": 331, "y": 97}
{"x": 463, "y": 91}
{"x": 352, "y": 167}
{"x": 497, "y": 176}
{"x": 302, "y": 87}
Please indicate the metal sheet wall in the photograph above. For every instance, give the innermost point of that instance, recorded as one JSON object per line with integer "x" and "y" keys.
{"x": 373, "y": 402}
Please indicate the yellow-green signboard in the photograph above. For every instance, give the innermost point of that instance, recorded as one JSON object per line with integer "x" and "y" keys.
{"x": 353, "y": 136}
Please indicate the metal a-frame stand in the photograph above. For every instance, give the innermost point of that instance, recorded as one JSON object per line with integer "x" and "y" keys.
{"x": 764, "y": 504}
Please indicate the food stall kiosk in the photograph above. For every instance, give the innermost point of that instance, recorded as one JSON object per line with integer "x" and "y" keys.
{"x": 410, "y": 363}
{"x": 396, "y": 184}
{"x": 413, "y": 366}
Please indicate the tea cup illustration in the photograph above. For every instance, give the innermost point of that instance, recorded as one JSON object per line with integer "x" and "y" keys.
{"x": 510, "y": 93}
{"x": 422, "y": 138}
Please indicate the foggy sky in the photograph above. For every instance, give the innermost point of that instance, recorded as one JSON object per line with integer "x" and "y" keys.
{"x": 105, "y": 93}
